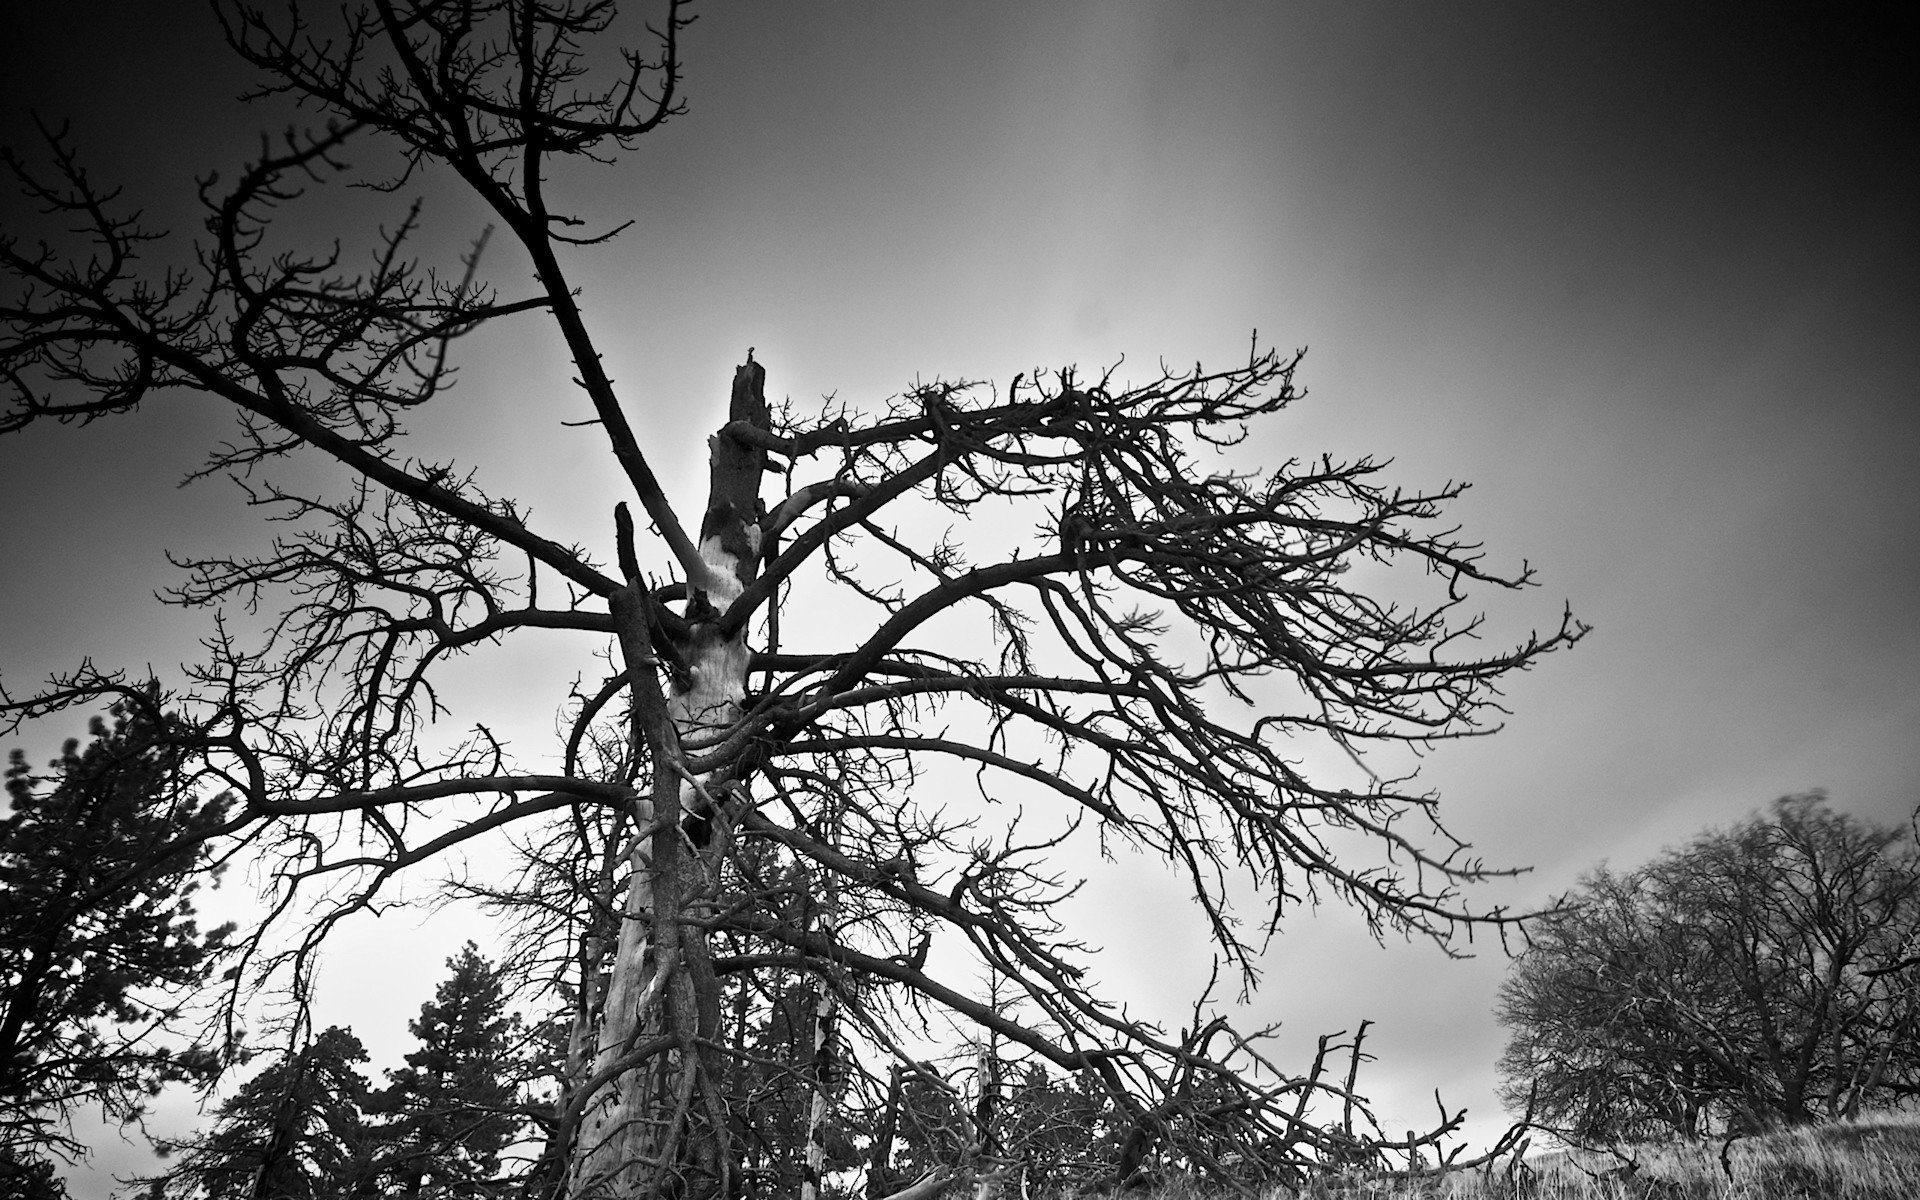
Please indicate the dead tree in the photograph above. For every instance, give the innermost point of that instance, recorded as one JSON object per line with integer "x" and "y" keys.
{"x": 1141, "y": 664}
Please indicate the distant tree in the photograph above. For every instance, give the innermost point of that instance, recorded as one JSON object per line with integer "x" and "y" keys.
{"x": 889, "y": 627}
{"x": 26, "y": 1174}
{"x": 933, "y": 1127}
{"x": 295, "y": 1131}
{"x": 768, "y": 1089}
{"x": 1765, "y": 974}
{"x": 444, "y": 1118}
{"x": 1058, "y": 1128}
{"x": 99, "y": 947}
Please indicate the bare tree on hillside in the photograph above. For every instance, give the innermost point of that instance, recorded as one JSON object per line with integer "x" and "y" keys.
{"x": 1762, "y": 975}
{"x": 827, "y": 676}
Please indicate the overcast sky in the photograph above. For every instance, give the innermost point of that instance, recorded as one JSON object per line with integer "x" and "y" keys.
{"x": 1644, "y": 273}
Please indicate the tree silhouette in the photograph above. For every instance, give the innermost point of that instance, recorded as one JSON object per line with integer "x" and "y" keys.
{"x": 1761, "y": 975}
{"x": 891, "y": 626}
{"x": 99, "y": 946}
{"x": 295, "y": 1131}
{"x": 445, "y": 1118}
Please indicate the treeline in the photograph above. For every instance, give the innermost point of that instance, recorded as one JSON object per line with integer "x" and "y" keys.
{"x": 102, "y": 962}
{"x": 311, "y": 1125}
{"x": 1763, "y": 975}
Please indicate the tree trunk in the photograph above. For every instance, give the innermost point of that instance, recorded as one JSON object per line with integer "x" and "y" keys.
{"x": 985, "y": 1114}
{"x": 657, "y": 1120}
{"x": 880, "y": 1169}
{"x": 825, "y": 1009}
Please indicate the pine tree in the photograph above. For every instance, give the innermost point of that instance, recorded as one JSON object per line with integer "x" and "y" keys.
{"x": 99, "y": 863}
{"x": 295, "y": 1131}
{"x": 451, "y": 1111}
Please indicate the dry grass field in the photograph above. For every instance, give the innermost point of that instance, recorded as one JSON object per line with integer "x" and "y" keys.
{"x": 1866, "y": 1160}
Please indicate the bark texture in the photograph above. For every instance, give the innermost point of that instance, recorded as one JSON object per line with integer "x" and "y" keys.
{"x": 655, "y": 1110}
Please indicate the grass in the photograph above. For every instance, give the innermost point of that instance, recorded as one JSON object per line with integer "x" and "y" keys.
{"x": 1865, "y": 1160}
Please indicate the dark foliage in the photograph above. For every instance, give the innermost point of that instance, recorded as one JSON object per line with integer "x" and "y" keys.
{"x": 443, "y": 1120}
{"x": 295, "y": 1131}
{"x": 99, "y": 864}
{"x": 310, "y": 1124}
{"x": 1767, "y": 974}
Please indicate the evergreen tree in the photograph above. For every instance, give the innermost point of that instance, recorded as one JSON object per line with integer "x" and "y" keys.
{"x": 451, "y": 1111}
{"x": 771, "y": 1076}
{"x": 295, "y": 1131}
{"x": 99, "y": 863}
{"x": 933, "y": 1127}
{"x": 1060, "y": 1128}
{"x": 769, "y": 1092}
{"x": 28, "y": 1176}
